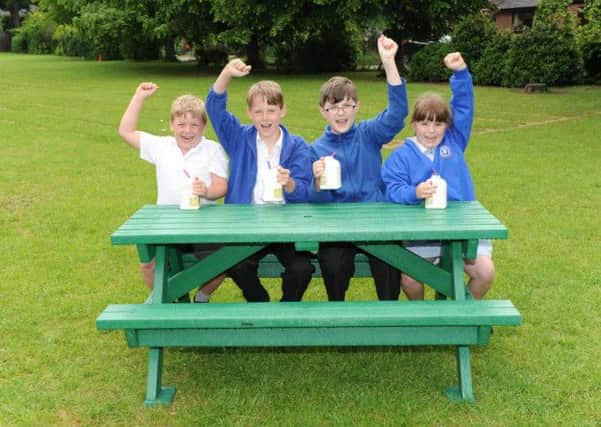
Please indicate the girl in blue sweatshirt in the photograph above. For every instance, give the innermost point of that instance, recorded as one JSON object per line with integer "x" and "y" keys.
{"x": 441, "y": 136}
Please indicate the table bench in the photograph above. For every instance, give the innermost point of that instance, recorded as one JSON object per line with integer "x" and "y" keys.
{"x": 351, "y": 323}
{"x": 453, "y": 319}
{"x": 270, "y": 267}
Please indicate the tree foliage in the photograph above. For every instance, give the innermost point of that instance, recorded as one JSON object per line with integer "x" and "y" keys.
{"x": 588, "y": 37}
{"x": 299, "y": 35}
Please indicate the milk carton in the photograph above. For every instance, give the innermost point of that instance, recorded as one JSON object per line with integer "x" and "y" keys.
{"x": 331, "y": 178}
{"x": 439, "y": 199}
{"x": 272, "y": 189}
{"x": 187, "y": 199}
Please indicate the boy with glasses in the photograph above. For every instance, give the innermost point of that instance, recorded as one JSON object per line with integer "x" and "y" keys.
{"x": 357, "y": 147}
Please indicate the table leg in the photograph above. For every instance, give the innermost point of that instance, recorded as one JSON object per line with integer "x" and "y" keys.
{"x": 155, "y": 393}
{"x": 452, "y": 260}
{"x": 462, "y": 392}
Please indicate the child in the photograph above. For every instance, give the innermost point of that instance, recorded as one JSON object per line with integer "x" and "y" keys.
{"x": 441, "y": 137}
{"x": 255, "y": 151}
{"x": 357, "y": 147}
{"x": 187, "y": 152}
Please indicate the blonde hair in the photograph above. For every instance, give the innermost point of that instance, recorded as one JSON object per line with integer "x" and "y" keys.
{"x": 336, "y": 90}
{"x": 189, "y": 104}
{"x": 432, "y": 107}
{"x": 268, "y": 89}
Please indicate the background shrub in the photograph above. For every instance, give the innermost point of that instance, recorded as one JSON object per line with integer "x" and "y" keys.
{"x": 472, "y": 35}
{"x": 491, "y": 69}
{"x": 545, "y": 54}
{"x": 427, "y": 64}
{"x": 101, "y": 28}
{"x": 328, "y": 51}
{"x": 69, "y": 42}
{"x": 588, "y": 37}
{"x": 35, "y": 34}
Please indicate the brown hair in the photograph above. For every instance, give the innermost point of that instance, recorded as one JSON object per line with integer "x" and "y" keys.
{"x": 189, "y": 104}
{"x": 336, "y": 90}
{"x": 268, "y": 89}
{"x": 431, "y": 106}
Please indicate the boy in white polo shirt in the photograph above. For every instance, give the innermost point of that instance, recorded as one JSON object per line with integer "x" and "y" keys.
{"x": 185, "y": 156}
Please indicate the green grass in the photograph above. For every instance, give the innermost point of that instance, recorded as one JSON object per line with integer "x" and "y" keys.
{"x": 67, "y": 182}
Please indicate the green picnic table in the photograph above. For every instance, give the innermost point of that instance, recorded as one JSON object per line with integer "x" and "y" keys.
{"x": 452, "y": 319}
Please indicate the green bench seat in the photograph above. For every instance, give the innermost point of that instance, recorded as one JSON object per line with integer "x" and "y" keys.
{"x": 269, "y": 266}
{"x": 351, "y": 323}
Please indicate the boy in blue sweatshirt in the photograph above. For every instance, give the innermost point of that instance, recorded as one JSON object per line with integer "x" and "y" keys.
{"x": 255, "y": 150}
{"x": 357, "y": 147}
{"x": 441, "y": 136}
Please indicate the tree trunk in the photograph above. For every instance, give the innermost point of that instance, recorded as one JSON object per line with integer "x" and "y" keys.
{"x": 253, "y": 54}
{"x": 169, "y": 45}
{"x": 15, "y": 21}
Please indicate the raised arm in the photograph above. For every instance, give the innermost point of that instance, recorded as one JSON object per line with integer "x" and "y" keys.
{"x": 462, "y": 100}
{"x": 382, "y": 128}
{"x": 235, "y": 68}
{"x": 387, "y": 48}
{"x": 129, "y": 122}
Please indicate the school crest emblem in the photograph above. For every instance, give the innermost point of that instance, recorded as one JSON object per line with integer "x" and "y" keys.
{"x": 445, "y": 151}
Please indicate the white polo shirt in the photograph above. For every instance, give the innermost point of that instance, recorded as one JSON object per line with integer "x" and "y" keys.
{"x": 162, "y": 151}
{"x": 265, "y": 162}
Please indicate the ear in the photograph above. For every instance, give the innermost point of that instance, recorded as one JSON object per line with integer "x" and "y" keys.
{"x": 358, "y": 106}
{"x": 283, "y": 111}
{"x": 323, "y": 113}
{"x": 171, "y": 126}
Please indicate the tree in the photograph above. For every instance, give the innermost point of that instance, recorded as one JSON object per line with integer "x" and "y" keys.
{"x": 13, "y": 6}
{"x": 299, "y": 34}
{"x": 588, "y": 37}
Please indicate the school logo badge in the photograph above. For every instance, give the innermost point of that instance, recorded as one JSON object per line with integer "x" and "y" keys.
{"x": 445, "y": 151}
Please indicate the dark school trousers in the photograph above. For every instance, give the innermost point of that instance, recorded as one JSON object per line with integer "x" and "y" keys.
{"x": 297, "y": 273}
{"x": 337, "y": 263}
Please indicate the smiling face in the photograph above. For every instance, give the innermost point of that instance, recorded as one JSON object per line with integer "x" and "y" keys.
{"x": 431, "y": 118}
{"x": 266, "y": 117}
{"x": 339, "y": 103}
{"x": 340, "y": 116}
{"x": 188, "y": 121}
{"x": 429, "y": 133}
{"x": 187, "y": 129}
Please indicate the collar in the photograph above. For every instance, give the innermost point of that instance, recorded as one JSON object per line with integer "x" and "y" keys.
{"x": 278, "y": 143}
{"x": 348, "y": 134}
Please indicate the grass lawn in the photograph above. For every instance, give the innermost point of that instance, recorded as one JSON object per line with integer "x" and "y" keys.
{"x": 67, "y": 182}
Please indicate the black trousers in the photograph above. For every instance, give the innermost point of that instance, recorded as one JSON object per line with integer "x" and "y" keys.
{"x": 337, "y": 263}
{"x": 295, "y": 278}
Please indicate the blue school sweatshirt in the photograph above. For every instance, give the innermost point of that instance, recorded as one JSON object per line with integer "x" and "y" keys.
{"x": 358, "y": 151}
{"x": 240, "y": 143}
{"x": 407, "y": 166}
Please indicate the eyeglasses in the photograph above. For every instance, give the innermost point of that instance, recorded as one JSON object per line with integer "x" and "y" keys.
{"x": 345, "y": 108}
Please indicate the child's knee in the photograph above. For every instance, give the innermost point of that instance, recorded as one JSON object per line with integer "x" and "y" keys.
{"x": 483, "y": 269}
{"x": 147, "y": 270}
{"x": 146, "y": 267}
